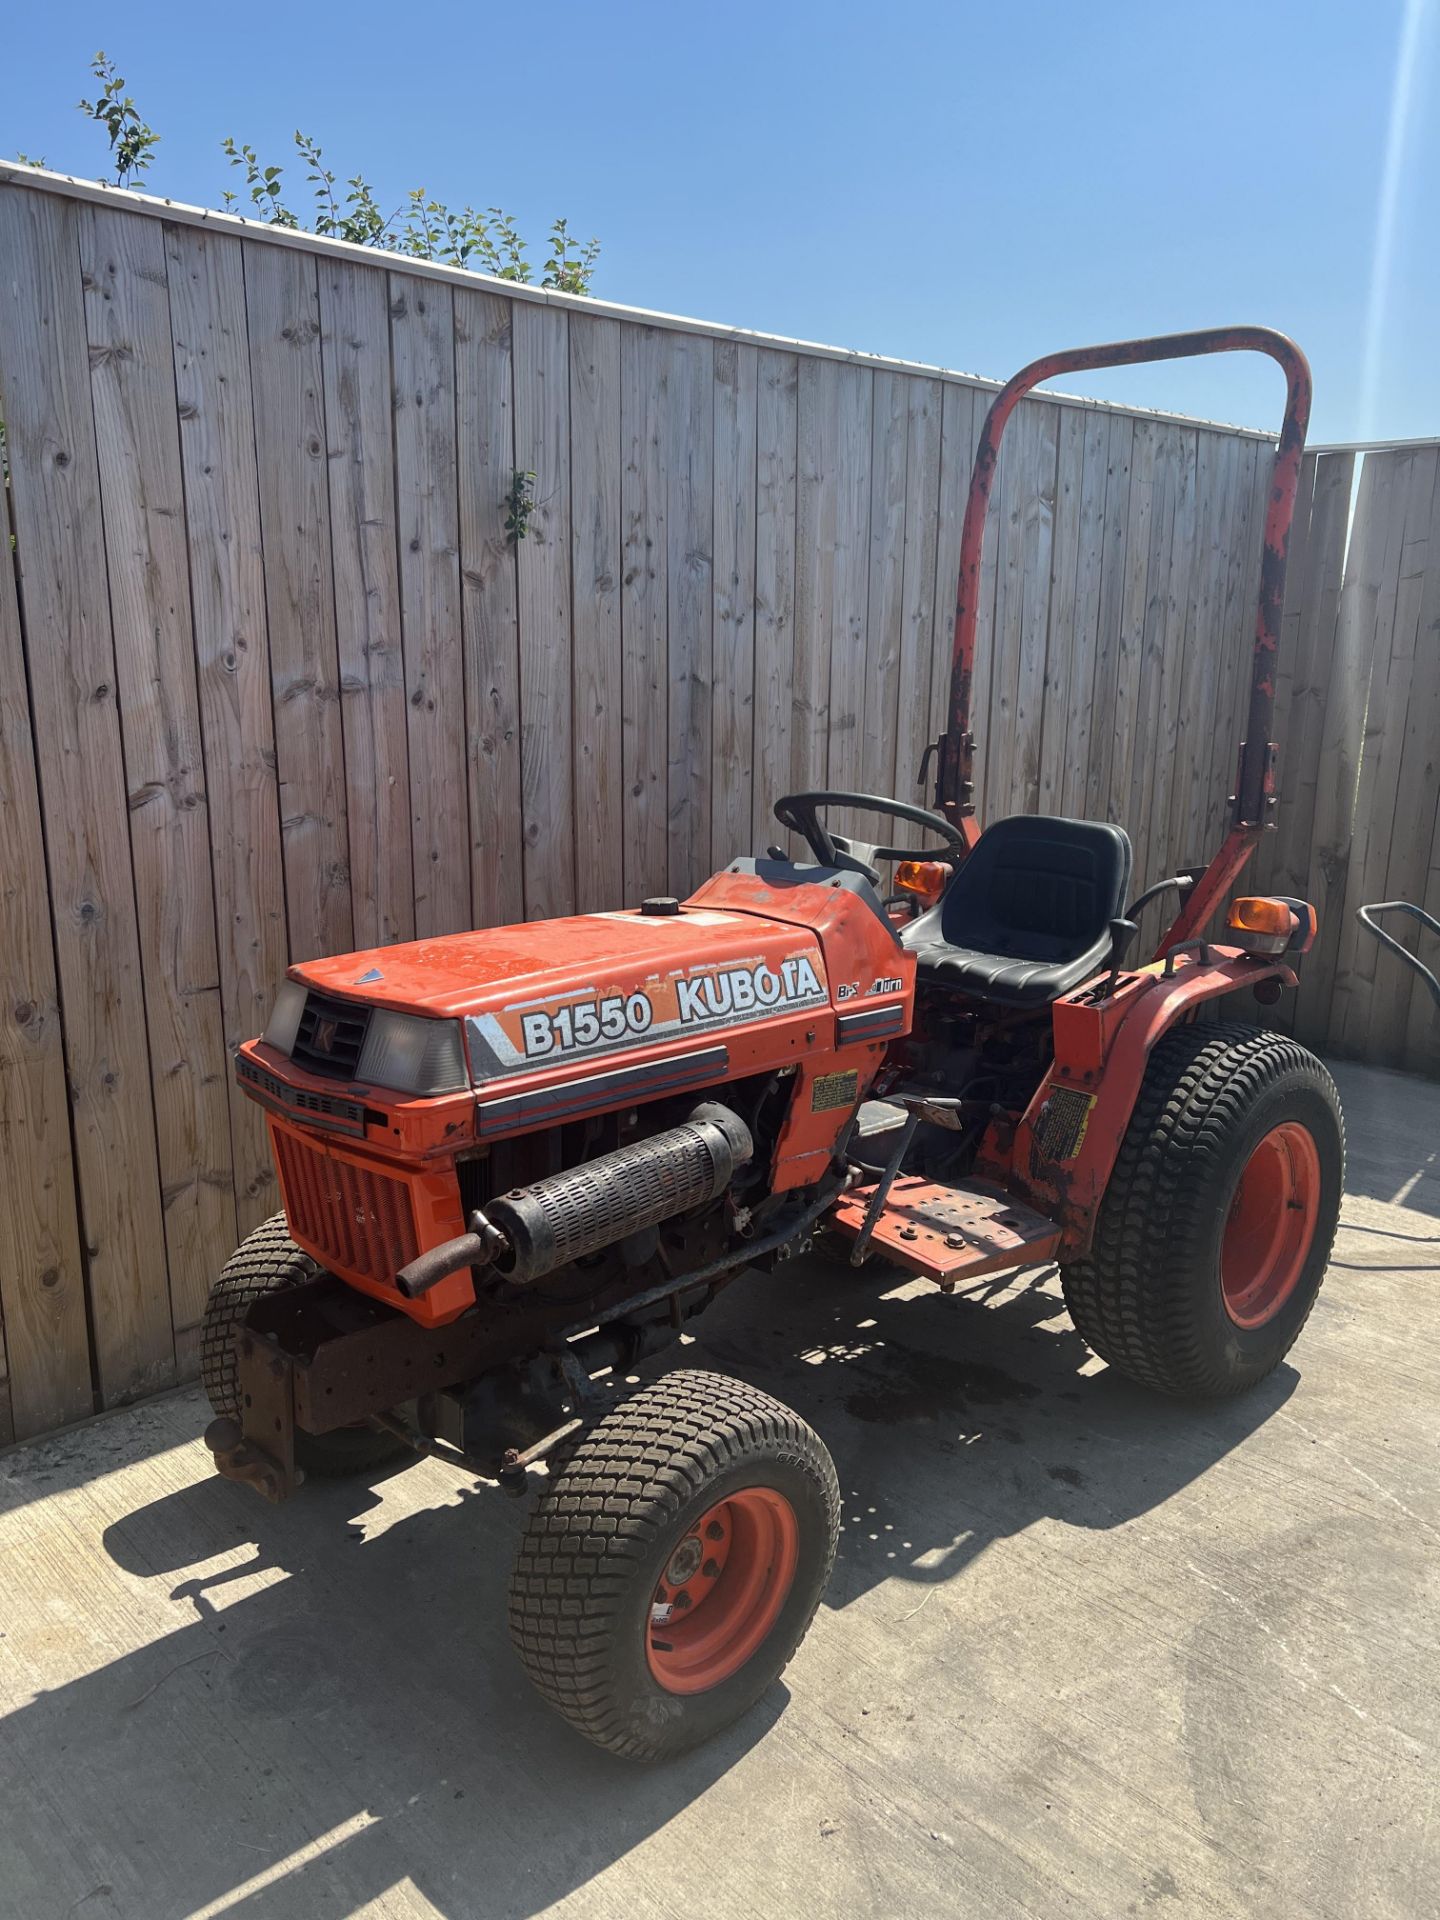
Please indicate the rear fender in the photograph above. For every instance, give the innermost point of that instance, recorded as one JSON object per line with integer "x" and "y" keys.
{"x": 1062, "y": 1152}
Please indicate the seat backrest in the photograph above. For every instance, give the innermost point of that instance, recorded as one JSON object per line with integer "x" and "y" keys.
{"x": 1039, "y": 887}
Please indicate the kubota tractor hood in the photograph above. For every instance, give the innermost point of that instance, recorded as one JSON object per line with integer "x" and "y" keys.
{"x": 539, "y": 994}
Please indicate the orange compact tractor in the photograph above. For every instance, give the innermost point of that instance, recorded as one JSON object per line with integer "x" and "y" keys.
{"x": 516, "y": 1160}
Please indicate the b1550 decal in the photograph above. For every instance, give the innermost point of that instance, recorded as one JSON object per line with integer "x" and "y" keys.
{"x": 589, "y": 1022}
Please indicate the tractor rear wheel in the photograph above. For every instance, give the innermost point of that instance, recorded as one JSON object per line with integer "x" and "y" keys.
{"x": 264, "y": 1262}
{"x": 1215, "y": 1230}
{"x": 674, "y": 1562}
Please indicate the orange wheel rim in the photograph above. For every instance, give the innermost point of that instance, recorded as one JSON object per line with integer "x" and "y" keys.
{"x": 722, "y": 1590}
{"x": 1271, "y": 1226}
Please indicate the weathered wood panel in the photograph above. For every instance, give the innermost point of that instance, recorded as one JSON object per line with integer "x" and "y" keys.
{"x": 293, "y": 686}
{"x": 359, "y": 409}
{"x": 232, "y": 652}
{"x": 776, "y": 441}
{"x": 732, "y": 759}
{"x": 282, "y": 309}
{"x": 689, "y": 523}
{"x": 422, "y": 340}
{"x": 542, "y": 447}
{"x": 46, "y": 1352}
{"x": 489, "y": 605}
{"x": 595, "y": 535}
{"x": 137, "y": 437}
{"x": 64, "y": 599}
{"x": 644, "y": 611}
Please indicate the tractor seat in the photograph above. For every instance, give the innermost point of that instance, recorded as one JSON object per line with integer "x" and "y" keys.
{"x": 1026, "y": 918}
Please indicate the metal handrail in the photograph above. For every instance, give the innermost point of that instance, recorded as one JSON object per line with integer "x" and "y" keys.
{"x": 1368, "y": 918}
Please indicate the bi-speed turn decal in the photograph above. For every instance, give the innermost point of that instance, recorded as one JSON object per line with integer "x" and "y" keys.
{"x": 591, "y": 1021}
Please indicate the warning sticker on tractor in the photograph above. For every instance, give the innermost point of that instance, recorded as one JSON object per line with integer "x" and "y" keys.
{"x": 1061, "y": 1123}
{"x": 669, "y": 1007}
{"x": 831, "y": 1090}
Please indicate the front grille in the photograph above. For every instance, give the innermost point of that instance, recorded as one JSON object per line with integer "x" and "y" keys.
{"x": 330, "y": 1036}
{"x": 358, "y": 1218}
{"x": 326, "y": 1109}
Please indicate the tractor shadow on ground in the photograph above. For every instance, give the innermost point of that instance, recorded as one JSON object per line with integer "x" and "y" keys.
{"x": 365, "y": 1701}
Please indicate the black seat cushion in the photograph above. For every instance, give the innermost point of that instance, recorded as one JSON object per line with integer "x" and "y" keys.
{"x": 1026, "y": 918}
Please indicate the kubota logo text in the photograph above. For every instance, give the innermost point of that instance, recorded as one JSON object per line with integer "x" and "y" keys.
{"x": 665, "y": 1007}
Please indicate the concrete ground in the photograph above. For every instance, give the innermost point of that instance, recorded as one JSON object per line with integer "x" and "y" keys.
{"x": 1084, "y": 1653}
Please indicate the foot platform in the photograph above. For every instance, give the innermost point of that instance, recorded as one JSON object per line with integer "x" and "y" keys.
{"x": 950, "y": 1233}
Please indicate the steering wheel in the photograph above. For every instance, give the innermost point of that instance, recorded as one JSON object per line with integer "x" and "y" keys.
{"x": 800, "y": 812}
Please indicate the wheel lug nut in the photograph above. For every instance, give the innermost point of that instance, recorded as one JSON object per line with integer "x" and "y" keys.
{"x": 714, "y": 1531}
{"x": 682, "y": 1601}
{"x": 711, "y": 1569}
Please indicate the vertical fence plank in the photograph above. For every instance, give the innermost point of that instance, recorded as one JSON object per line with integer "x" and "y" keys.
{"x": 42, "y": 1282}
{"x": 690, "y": 526}
{"x": 1146, "y": 482}
{"x": 1285, "y": 724}
{"x": 924, "y": 429}
{"x": 542, "y": 447}
{"x": 1390, "y": 838}
{"x": 355, "y": 360}
{"x": 776, "y": 429}
{"x": 732, "y": 762}
{"x": 831, "y": 572}
{"x": 595, "y": 462}
{"x": 1070, "y": 716}
{"x": 1362, "y": 991}
{"x": 1169, "y": 669}
{"x": 1205, "y": 644}
{"x": 1121, "y": 488}
{"x": 1148, "y": 665}
{"x": 282, "y": 306}
{"x": 1039, "y": 515}
{"x": 869, "y": 760}
{"x": 1318, "y": 592}
{"x": 926, "y": 685}
{"x": 489, "y": 605}
{"x": 644, "y": 611}
{"x": 1393, "y": 1030}
{"x": 422, "y": 344}
{"x": 1236, "y": 643}
{"x": 227, "y": 588}
{"x": 996, "y": 746}
{"x": 1064, "y": 586}
{"x": 137, "y": 439}
{"x": 1338, "y": 765}
{"x": 1414, "y": 869}
{"x": 55, "y": 497}
{"x": 1422, "y": 1037}
{"x": 838, "y": 608}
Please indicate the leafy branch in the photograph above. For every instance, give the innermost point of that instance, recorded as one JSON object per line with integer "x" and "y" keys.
{"x": 488, "y": 240}
{"x": 132, "y": 141}
{"x": 519, "y": 505}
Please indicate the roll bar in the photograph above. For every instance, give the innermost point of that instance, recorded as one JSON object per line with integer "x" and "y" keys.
{"x": 1254, "y": 788}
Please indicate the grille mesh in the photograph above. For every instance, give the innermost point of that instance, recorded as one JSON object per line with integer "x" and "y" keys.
{"x": 330, "y": 1036}
{"x": 358, "y": 1218}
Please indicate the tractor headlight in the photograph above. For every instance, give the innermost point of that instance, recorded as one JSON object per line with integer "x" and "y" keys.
{"x": 285, "y": 1017}
{"x": 412, "y": 1054}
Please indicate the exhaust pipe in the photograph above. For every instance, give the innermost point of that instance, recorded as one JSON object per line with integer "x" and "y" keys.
{"x": 533, "y": 1230}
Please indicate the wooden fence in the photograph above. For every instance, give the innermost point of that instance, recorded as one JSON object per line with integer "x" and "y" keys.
{"x": 276, "y": 683}
{"x": 1358, "y": 716}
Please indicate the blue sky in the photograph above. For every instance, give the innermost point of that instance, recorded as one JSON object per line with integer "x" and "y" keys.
{"x": 966, "y": 185}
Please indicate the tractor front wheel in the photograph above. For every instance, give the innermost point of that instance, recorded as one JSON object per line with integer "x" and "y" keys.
{"x": 674, "y": 1562}
{"x": 264, "y": 1262}
{"x": 1216, "y": 1227}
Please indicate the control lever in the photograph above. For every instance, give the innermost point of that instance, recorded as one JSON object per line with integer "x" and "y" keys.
{"x": 1123, "y": 934}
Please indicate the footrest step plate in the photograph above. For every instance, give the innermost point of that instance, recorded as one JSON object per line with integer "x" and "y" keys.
{"x": 949, "y": 1233}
